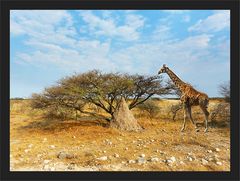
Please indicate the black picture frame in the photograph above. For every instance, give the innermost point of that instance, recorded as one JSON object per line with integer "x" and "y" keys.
{"x": 6, "y": 6}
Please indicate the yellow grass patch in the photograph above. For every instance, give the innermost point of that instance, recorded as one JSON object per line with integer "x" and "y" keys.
{"x": 36, "y": 142}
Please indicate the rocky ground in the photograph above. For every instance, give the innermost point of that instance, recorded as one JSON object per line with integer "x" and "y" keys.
{"x": 147, "y": 150}
{"x": 41, "y": 145}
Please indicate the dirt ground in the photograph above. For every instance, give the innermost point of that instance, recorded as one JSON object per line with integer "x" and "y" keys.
{"x": 37, "y": 144}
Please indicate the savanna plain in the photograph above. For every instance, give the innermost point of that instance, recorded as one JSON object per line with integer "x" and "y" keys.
{"x": 40, "y": 144}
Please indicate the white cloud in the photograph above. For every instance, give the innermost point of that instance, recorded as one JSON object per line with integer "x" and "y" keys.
{"x": 35, "y": 22}
{"x": 86, "y": 55}
{"x": 197, "y": 42}
{"x": 53, "y": 44}
{"x": 47, "y": 26}
{"x": 109, "y": 27}
{"x": 220, "y": 20}
{"x": 162, "y": 32}
{"x": 147, "y": 56}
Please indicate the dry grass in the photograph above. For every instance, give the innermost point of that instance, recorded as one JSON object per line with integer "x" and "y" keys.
{"x": 34, "y": 140}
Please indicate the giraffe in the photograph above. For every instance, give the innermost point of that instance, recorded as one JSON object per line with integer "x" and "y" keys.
{"x": 189, "y": 97}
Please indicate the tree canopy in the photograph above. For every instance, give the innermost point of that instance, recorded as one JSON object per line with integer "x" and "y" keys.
{"x": 102, "y": 90}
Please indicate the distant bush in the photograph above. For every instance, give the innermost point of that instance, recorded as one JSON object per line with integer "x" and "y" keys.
{"x": 220, "y": 115}
{"x": 150, "y": 107}
{"x": 174, "y": 110}
{"x": 224, "y": 90}
{"x": 17, "y": 98}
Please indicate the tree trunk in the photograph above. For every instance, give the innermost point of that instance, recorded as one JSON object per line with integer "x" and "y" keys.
{"x": 123, "y": 119}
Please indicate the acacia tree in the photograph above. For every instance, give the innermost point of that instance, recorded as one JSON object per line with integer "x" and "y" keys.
{"x": 104, "y": 90}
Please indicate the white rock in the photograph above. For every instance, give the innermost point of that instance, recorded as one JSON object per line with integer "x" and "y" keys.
{"x": 30, "y": 146}
{"x": 52, "y": 146}
{"x": 126, "y": 148}
{"x": 116, "y": 155}
{"x": 204, "y": 162}
{"x": 211, "y": 159}
{"x": 46, "y": 161}
{"x": 218, "y": 150}
{"x": 154, "y": 159}
{"x": 131, "y": 161}
{"x": 141, "y": 160}
{"x": 209, "y": 151}
{"x": 104, "y": 151}
{"x": 161, "y": 152}
{"x": 103, "y": 158}
{"x": 142, "y": 155}
{"x": 190, "y": 159}
{"x": 44, "y": 139}
{"x": 52, "y": 168}
{"x": 219, "y": 163}
{"x": 26, "y": 151}
{"x": 74, "y": 137}
{"x": 63, "y": 155}
{"x": 181, "y": 162}
{"x": 173, "y": 159}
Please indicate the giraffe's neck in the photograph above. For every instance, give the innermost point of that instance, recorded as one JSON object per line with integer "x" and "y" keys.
{"x": 176, "y": 80}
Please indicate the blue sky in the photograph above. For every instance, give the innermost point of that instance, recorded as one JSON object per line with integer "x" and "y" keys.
{"x": 46, "y": 45}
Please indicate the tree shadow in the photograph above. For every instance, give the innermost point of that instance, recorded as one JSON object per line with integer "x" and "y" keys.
{"x": 48, "y": 124}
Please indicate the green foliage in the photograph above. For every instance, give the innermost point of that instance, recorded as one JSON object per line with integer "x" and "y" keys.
{"x": 103, "y": 90}
{"x": 150, "y": 107}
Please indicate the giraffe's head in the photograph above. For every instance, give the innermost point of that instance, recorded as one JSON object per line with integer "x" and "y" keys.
{"x": 163, "y": 69}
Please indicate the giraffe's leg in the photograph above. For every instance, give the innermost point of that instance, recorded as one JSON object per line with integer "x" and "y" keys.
{"x": 190, "y": 116}
{"x": 206, "y": 114}
{"x": 184, "y": 118}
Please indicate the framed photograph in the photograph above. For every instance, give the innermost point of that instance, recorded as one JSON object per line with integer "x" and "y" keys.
{"x": 145, "y": 90}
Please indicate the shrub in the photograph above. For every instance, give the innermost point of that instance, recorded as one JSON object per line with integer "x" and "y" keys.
{"x": 150, "y": 107}
{"x": 224, "y": 90}
{"x": 220, "y": 115}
